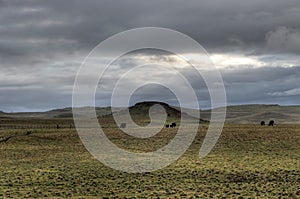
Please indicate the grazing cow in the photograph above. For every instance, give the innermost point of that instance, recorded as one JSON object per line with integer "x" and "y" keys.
{"x": 167, "y": 125}
{"x": 173, "y": 125}
{"x": 123, "y": 125}
{"x": 262, "y": 123}
{"x": 271, "y": 123}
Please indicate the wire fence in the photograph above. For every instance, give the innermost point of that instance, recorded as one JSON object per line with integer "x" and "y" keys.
{"x": 37, "y": 126}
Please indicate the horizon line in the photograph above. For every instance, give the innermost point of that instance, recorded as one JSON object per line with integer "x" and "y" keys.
{"x": 204, "y": 109}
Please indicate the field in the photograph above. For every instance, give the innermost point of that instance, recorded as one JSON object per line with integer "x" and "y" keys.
{"x": 249, "y": 161}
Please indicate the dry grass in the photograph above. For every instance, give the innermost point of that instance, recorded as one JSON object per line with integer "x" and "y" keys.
{"x": 249, "y": 161}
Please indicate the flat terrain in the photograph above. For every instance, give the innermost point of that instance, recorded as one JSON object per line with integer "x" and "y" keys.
{"x": 249, "y": 161}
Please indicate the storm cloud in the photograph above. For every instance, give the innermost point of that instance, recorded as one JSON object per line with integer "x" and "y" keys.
{"x": 255, "y": 44}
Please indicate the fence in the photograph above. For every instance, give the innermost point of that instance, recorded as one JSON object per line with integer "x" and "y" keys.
{"x": 36, "y": 126}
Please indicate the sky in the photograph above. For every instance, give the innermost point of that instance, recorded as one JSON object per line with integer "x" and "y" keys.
{"x": 254, "y": 44}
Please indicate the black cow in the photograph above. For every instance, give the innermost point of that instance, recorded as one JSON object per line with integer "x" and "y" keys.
{"x": 167, "y": 125}
{"x": 173, "y": 125}
{"x": 271, "y": 123}
{"x": 262, "y": 123}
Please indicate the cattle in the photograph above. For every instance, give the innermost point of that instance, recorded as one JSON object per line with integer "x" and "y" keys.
{"x": 173, "y": 125}
{"x": 262, "y": 123}
{"x": 123, "y": 125}
{"x": 271, "y": 123}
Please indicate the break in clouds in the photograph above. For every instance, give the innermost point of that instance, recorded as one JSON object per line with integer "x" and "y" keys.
{"x": 254, "y": 44}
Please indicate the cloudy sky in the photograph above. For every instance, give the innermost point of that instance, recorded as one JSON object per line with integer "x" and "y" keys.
{"x": 255, "y": 45}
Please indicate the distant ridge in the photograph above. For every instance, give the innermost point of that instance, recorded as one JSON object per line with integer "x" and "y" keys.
{"x": 140, "y": 112}
{"x": 55, "y": 113}
{"x": 254, "y": 113}
{"x": 240, "y": 114}
{"x": 143, "y": 107}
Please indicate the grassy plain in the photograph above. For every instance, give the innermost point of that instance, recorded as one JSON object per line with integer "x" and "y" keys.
{"x": 249, "y": 161}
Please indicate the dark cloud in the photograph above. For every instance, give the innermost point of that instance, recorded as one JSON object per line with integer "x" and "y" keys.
{"x": 263, "y": 74}
{"x": 284, "y": 40}
{"x": 263, "y": 85}
{"x": 88, "y": 22}
{"x": 42, "y": 44}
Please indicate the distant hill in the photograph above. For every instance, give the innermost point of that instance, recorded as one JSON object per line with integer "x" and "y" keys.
{"x": 244, "y": 114}
{"x": 56, "y": 113}
{"x": 140, "y": 112}
{"x": 240, "y": 114}
{"x": 143, "y": 107}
